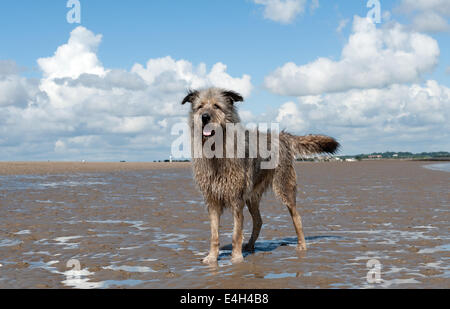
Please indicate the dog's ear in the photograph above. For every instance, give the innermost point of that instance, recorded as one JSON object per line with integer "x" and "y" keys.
{"x": 233, "y": 97}
{"x": 192, "y": 95}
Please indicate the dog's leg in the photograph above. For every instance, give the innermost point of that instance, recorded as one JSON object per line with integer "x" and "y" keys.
{"x": 214, "y": 216}
{"x": 286, "y": 191}
{"x": 298, "y": 226}
{"x": 253, "y": 207}
{"x": 238, "y": 235}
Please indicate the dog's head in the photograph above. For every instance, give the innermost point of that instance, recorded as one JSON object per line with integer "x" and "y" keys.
{"x": 212, "y": 107}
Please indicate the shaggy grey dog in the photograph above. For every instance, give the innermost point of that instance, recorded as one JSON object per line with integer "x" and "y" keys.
{"x": 235, "y": 182}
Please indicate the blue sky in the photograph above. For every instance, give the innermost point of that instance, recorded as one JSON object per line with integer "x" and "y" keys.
{"x": 254, "y": 38}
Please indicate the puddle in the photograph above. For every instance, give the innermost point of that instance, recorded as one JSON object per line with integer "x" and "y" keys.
{"x": 280, "y": 276}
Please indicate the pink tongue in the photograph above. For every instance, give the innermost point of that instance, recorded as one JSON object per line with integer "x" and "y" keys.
{"x": 207, "y": 132}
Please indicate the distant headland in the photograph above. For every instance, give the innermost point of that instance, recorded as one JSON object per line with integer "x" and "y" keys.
{"x": 424, "y": 156}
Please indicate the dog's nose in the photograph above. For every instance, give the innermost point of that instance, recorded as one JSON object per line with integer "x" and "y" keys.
{"x": 206, "y": 118}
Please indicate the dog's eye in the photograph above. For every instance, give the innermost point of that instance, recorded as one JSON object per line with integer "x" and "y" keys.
{"x": 199, "y": 107}
{"x": 217, "y": 107}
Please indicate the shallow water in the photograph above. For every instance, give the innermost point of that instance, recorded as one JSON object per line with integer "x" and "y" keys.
{"x": 445, "y": 167}
{"x": 150, "y": 229}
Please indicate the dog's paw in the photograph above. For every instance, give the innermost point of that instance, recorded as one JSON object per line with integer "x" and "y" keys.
{"x": 302, "y": 247}
{"x": 249, "y": 248}
{"x": 210, "y": 260}
{"x": 237, "y": 259}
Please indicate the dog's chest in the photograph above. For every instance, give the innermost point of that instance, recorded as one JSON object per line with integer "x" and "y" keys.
{"x": 221, "y": 181}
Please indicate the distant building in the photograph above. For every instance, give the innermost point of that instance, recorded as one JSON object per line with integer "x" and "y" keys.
{"x": 326, "y": 158}
{"x": 375, "y": 157}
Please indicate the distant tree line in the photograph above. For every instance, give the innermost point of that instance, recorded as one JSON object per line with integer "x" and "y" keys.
{"x": 401, "y": 155}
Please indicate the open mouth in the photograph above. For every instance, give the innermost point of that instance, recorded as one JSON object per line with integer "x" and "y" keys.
{"x": 207, "y": 132}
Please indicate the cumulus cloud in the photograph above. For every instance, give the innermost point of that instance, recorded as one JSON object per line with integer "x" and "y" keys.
{"x": 372, "y": 58}
{"x": 430, "y": 22}
{"x": 284, "y": 11}
{"x": 290, "y": 115}
{"x": 16, "y": 90}
{"x": 427, "y": 15}
{"x": 158, "y": 70}
{"x": 79, "y": 108}
{"x": 441, "y": 6}
{"x": 8, "y": 67}
{"x": 76, "y": 57}
{"x": 413, "y": 117}
{"x": 119, "y": 79}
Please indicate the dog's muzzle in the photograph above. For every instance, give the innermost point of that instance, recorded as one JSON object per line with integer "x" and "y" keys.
{"x": 206, "y": 119}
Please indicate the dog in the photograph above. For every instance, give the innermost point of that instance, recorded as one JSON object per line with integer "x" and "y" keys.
{"x": 232, "y": 183}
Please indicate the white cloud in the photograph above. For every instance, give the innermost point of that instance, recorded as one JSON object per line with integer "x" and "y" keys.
{"x": 159, "y": 70}
{"x": 342, "y": 24}
{"x": 440, "y": 6}
{"x": 76, "y": 57}
{"x": 8, "y": 67}
{"x": 448, "y": 70}
{"x": 60, "y": 147}
{"x": 220, "y": 78}
{"x": 372, "y": 58}
{"x": 283, "y": 11}
{"x": 290, "y": 116}
{"x": 427, "y": 15}
{"x": 79, "y": 107}
{"x": 416, "y": 117}
{"x": 16, "y": 90}
{"x": 430, "y": 22}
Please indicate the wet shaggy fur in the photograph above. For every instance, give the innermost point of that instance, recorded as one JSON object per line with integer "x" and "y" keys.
{"x": 235, "y": 183}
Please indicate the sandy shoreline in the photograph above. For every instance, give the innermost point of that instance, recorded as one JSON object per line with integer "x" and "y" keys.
{"x": 62, "y": 168}
{"x": 47, "y": 168}
{"x": 149, "y": 228}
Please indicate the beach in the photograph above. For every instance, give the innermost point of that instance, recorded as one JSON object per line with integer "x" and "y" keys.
{"x": 145, "y": 225}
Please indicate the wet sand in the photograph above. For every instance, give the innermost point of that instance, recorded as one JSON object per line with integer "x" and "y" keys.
{"x": 49, "y": 168}
{"x": 144, "y": 225}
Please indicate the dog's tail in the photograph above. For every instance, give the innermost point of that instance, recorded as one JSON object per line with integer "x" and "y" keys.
{"x": 312, "y": 144}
